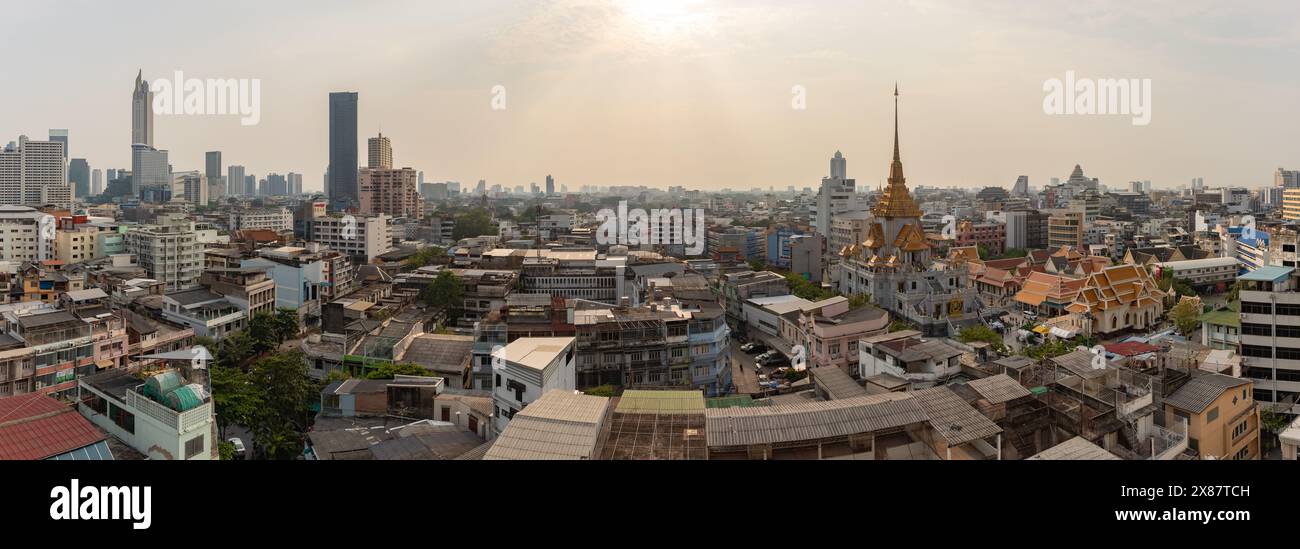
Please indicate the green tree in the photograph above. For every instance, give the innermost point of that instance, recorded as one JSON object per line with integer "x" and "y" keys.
{"x": 287, "y": 325}
{"x": 390, "y": 370}
{"x": 1234, "y": 292}
{"x": 427, "y": 255}
{"x": 898, "y": 325}
{"x": 263, "y": 331}
{"x": 286, "y": 395}
{"x": 234, "y": 399}
{"x": 980, "y": 332}
{"x": 447, "y": 292}
{"x": 235, "y": 350}
{"x": 1182, "y": 287}
{"x": 476, "y": 222}
{"x": 1184, "y": 316}
{"x": 806, "y": 289}
{"x": 602, "y": 390}
{"x": 983, "y": 252}
{"x": 1013, "y": 252}
{"x": 226, "y": 450}
{"x": 858, "y": 300}
{"x": 757, "y": 265}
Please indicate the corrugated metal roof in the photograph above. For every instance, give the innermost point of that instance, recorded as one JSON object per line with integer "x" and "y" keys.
{"x": 837, "y": 384}
{"x": 1077, "y": 448}
{"x": 1198, "y": 393}
{"x": 667, "y": 402}
{"x": 810, "y": 420}
{"x": 559, "y": 425}
{"x": 954, "y": 419}
{"x": 999, "y": 388}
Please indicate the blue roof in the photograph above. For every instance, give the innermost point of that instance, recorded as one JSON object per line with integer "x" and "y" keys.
{"x": 1271, "y": 273}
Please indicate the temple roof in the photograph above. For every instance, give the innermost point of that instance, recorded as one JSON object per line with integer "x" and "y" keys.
{"x": 897, "y": 200}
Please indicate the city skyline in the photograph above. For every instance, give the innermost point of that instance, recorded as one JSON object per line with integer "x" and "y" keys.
{"x": 695, "y": 94}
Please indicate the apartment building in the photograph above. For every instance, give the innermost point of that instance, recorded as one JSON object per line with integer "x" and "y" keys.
{"x": 26, "y": 234}
{"x": 574, "y": 274}
{"x": 34, "y": 173}
{"x": 991, "y": 235}
{"x": 362, "y": 238}
{"x": 736, "y": 288}
{"x": 250, "y": 289}
{"x": 169, "y": 251}
{"x": 527, "y": 368}
{"x": 1202, "y": 273}
{"x": 270, "y": 219}
{"x": 394, "y": 192}
{"x": 630, "y": 347}
{"x": 208, "y": 314}
{"x": 1270, "y": 337}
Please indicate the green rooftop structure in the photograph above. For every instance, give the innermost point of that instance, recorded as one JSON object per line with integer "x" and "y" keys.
{"x": 661, "y": 402}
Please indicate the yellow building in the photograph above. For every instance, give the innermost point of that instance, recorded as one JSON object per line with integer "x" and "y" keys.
{"x": 1065, "y": 229}
{"x": 77, "y": 245}
{"x": 1291, "y": 204}
{"x": 1222, "y": 417}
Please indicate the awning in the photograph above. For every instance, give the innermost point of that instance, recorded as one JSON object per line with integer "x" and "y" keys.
{"x": 1043, "y": 330}
{"x": 1062, "y": 332}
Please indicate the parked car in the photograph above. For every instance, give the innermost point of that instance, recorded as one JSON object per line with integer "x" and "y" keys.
{"x": 1030, "y": 314}
{"x": 775, "y": 359}
{"x": 240, "y": 452}
{"x": 754, "y": 347}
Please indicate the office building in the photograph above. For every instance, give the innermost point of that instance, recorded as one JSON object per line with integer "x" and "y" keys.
{"x": 79, "y": 177}
{"x": 34, "y": 173}
{"x": 342, "y": 186}
{"x": 149, "y": 169}
{"x": 141, "y": 113}
{"x": 381, "y": 153}
{"x": 236, "y": 184}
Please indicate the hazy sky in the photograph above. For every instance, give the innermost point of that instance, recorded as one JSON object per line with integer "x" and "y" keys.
{"x": 673, "y": 92}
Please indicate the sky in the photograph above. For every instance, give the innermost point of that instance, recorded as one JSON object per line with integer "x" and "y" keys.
{"x": 678, "y": 92}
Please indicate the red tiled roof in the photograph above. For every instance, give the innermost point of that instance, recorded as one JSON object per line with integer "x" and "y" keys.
{"x": 36, "y": 426}
{"x": 1131, "y": 348}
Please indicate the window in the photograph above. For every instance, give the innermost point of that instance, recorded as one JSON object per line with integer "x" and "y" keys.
{"x": 1240, "y": 429}
{"x": 194, "y": 447}
{"x": 1212, "y": 415}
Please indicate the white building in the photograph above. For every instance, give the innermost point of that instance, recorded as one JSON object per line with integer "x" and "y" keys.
{"x": 191, "y": 186}
{"x": 169, "y": 252}
{"x": 149, "y": 168}
{"x": 1202, "y": 272}
{"x": 167, "y": 417}
{"x": 34, "y": 173}
{"x": 360, "y": 237}
{"x": 274, "y": 219}
{"x": 26, "y": 234}
{"x": 208, "y": 314}
{"x": 525, "y": 369}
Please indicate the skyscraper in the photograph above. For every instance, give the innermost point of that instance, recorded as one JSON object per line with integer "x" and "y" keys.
{"x": 149, "y": 168}
{"x": 276, "y": 185}
{"x": 294, "y": 184}
{"x": 250, "y": 185}
{"x": 839, "y": 166}
{"x": 62, "y": 137}
{"x": 235, "y": 180}
{"x": 1021, "y": 188}
{"x": 79, "y": 177}
{"x": 1289, "y": 179}
{"x": 381, "y": 153}
{"x": 34, "y": 173}
{"x": 213, "y": 170}
{"x": 343, "y": 150}
{"x": 141, "y": 112}
{"x": 550, "y": 185}
{"x": 96, "y": 182}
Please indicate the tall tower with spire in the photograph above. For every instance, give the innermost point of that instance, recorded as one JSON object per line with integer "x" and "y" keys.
{"x": 141, "y": 112}
{"x": 839, "y": 169}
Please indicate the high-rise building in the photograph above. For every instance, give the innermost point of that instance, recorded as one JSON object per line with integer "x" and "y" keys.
{"x": 1286, "y": 178}
{"x": 276, "y": 185}
{"x": 213, "y": 165}
{"x": 381, "y": 153}
{"x": 235, "y": 181}
{"x": 79, "y": 177}
{"x": 294, "y": 184}
{"x": 34, "y": 173}
{"x": 96, "y": 182}
{"x": 30, "y": 234}
{"x": 550, "y": 185}
{"x": 62, "y": 137}
{"x": 141, "y": 112}
{"x": 839, "y": 166}
{"x": 168, "y": 251}
{"x": 1021, "y": 188}
{"x": 343, "y": 150}
{"x": 250, "y": 185}
{"x": 390, "y": 191}
{"x": 191, "y": 185}
{"x": 149, "y": 168}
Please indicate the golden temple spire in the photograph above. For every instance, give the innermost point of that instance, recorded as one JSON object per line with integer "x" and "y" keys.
{"x": 896, "y": 200}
